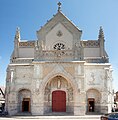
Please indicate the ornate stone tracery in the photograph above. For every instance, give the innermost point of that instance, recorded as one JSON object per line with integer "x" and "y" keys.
{"x": 59, "y": 33}
{"x": 91, "y": 43}
{"x": 58, "y": 83}
{"x": 27, "y": 44}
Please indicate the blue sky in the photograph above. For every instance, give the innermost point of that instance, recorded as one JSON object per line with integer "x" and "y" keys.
{"x": 30, "y": 15}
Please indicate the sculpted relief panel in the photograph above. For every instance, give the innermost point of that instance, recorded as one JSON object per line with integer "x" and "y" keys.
{"x": 94, "y": 77}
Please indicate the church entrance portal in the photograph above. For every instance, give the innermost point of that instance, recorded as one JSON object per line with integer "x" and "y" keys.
{"x": 58, "y": 101}
{"x": 26, "y": 105}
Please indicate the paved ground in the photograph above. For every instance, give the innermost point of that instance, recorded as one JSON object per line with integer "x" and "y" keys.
{"x": 87, "y": 117}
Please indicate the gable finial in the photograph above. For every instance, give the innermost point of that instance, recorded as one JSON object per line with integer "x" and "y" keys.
{"x": 101, "y": 33}
{"x": 59, "y": 6}
{"x": 17, "y": 35}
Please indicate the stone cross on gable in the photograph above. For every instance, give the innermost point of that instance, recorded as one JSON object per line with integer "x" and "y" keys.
{"x": 59, "y": 6}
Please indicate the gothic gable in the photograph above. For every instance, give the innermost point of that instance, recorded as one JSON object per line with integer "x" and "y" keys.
{"x": 59, "y": 39}
{"x": 58, "y": 18}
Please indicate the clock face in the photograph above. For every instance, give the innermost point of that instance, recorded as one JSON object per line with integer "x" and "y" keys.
{"x": 59, "y": 46}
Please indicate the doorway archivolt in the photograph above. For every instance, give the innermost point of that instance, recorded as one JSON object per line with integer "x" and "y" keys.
{"x": 58, "y": 85}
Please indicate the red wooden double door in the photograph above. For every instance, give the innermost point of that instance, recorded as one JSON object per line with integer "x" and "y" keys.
{"x": 58, "y": 101}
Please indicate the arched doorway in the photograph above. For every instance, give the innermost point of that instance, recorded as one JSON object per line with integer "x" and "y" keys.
{"x": 58, "y": 101}
{"x": 24, "y": 98}
{"x": 93, "y": 100}
{"x": 58, "y": 89}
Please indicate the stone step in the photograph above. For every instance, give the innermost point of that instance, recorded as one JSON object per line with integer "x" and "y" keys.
{"x": 86, "y": 117}
{"x": 55, "y": 116}
{"x": 59, "y": 114}
{"x": 23, "y": 114}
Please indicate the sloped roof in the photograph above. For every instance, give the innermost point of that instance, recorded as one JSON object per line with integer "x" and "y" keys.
{"x": 2, "y": 89}
{"x": 59, "y": 13}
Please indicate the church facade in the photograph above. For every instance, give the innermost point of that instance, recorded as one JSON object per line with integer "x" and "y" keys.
{"x": 59, "y": 72}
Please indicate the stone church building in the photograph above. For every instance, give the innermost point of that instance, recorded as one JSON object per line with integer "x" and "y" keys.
{"x": 59, "y": 72}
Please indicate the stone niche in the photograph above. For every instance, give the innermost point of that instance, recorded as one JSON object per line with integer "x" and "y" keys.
{"x": 58, "y": 83}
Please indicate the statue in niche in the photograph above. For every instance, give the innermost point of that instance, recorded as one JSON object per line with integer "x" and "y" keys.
{"x": 59, "y": 84}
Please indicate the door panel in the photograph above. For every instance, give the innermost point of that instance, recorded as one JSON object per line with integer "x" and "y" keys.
{"x": 59, "y": 101}
{"x": 26, "y": 105}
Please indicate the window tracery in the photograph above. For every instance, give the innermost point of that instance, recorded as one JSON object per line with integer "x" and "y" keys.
{"x": 59, "y": 46}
